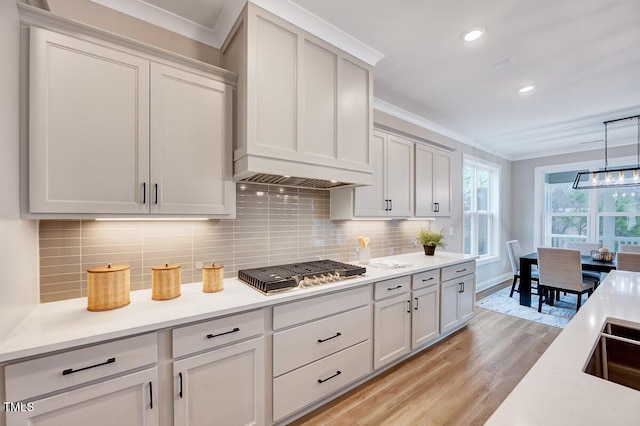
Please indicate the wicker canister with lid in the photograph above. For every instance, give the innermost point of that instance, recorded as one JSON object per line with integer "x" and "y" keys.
{"x": 165, "y": 281}
{"x": 108, "y": 287}
{"x": 212, "y": 278}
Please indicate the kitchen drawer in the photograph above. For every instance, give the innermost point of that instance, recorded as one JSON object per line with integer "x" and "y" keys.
{"x": 39, "y": 376}
{"x": 425, "y": 279}
{"x": 393, "y": 287}
{"x": 313, "y": 308}
{"x": 459, "y": 270}
{"x": 308, "y": 384}
{"x": 221, "y": 331}
{"x": 318, "y": 339}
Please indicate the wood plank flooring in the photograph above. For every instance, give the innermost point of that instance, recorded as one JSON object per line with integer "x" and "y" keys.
{"x": 459, "y": 381}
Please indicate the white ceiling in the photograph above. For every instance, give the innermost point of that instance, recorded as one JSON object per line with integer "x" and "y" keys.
{"x": 582, "y": 55}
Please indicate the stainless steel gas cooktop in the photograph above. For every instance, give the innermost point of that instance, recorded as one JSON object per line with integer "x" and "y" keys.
{"x": 279, "y": 278}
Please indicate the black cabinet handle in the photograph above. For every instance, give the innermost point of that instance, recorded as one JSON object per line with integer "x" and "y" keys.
{"x": 331, "y": 377}
{"x": 390, "y": 205}
{"x": 338, "y": 334}
{"x": 155, "y": 188}
{"x": 144, "y": 192}
{"x": 386, "y": 205}
{"x": 427, "y": 279}
{"x": 460, "y": 287}
{"x": 416, "y": 299}
{"x": 394, "y": 288}
{"x": 180, "y": 390}
{"x": 211, "y": 336}
{"x": 462, "y": 270}
{"x": 463, "y": 286}
{"x": 436, "y": 207}
{"x": 151, "y": 395}
{"x": 409, "y": 308}
{"x": 71, "y": 370}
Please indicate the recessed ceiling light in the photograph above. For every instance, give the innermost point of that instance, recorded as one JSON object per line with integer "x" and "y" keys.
{"x": 473, "y": 34}
{"x": 503, "y": 64}
{"x": 527, "y": 88}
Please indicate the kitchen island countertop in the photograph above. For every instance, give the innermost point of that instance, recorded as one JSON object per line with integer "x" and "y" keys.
{"x": 61, "y": 325}
{"x": 556, "y": 391}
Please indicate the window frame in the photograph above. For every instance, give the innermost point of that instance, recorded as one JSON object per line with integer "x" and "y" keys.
{"x": 493, "y": 212}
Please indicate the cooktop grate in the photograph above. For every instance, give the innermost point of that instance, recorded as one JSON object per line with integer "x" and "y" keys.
{"x": 271, "y": 279}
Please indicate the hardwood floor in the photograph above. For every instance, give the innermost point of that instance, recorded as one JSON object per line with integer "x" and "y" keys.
{"x": 459, "y": 381}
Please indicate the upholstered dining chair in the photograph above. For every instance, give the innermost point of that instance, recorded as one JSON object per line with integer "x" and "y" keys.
{"x": 628, "y": 262}
{"x": 585, "y": 250}
{"x": 560, "y": 269}
{"x": 629, "y": 248}
{"x": 514, "y": 250}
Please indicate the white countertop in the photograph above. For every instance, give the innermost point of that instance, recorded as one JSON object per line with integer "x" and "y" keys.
{"x": 61, "y": 325}
{"x": 556, "y": 391}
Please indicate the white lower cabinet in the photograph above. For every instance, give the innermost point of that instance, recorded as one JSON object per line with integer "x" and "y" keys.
{"x": 125, "y": 401}
{"x": 457, "y": 304}
{"x": 425, "y": 316}
{"x": 221, "y": 387}
{"x": 392, "y": 329}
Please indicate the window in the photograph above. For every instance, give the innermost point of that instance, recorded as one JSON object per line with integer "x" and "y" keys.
{"x": 610, "y": 216}
{"x": 481, "y": 206}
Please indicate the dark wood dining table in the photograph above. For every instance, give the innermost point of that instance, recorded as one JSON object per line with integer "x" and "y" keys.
{"x": 528, "y": 260}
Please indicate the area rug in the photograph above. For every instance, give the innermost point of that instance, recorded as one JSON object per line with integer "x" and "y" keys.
{"x": 557, "y": 316}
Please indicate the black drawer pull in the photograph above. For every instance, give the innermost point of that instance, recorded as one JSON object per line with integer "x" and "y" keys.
{"x": 462, "y": 270}
{"x": 180, "y": 377}
{"x": 329, "y": 378}
{"x": 416, "y": 299}
{"x": 211, "y": 336}
{"x": 150, "y": 395}
{"x": 338, "y": 334}
{"x": 394, "y": 288}
{"x": 71, "y": 370}
{"x": 428, "y": 279}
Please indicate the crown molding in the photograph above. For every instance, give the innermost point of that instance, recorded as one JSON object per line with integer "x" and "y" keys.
{"x": 215, "y": 37}
{"x": 382, "y": 106}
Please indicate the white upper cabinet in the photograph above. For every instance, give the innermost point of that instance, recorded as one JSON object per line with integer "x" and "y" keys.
{"x": 112, "y": 132}
{"x": 304, "y": 107}
{"x": 433, "y": 182}
{"x": 391, "y": 194}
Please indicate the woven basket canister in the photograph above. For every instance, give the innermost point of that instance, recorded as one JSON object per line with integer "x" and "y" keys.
{"x": 212, "y": 278}
{"x": 108, "y": 287}
{"x": 165, "y": 281}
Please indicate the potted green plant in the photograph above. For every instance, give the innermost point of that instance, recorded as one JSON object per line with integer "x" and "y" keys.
{"x": 430, "y": 240}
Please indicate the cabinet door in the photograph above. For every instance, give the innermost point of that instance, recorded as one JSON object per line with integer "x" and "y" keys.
{"x": 399, "y": 162}
{"x": 129, "y": 400}
{"x": 468, "y": 298}
{"x": 88, "y": 127}
{"x": 425, "y": 321}
{"x": 424, "y": 180}
{"x": 370, "y": 200}
{"x": 449, "y": 307}
{"x": 392, "y": 329}
{"x": 354, "y": 114}
{"x": 190, "y": 143}
{"x": 221, "y": 387}
{"x": 442, "y": 183}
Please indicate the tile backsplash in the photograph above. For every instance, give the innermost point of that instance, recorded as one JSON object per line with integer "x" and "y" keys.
{"x": 273, "y": 225}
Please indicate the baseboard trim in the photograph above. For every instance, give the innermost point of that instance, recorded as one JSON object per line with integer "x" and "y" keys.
{"x": 493, "y": 282}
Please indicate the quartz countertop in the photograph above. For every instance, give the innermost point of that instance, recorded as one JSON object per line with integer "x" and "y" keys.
{"x": 556, "y": 391}
{"x": 65, "y": 324}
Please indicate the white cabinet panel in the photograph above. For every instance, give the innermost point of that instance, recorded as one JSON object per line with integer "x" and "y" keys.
{"x": 442, "y": 183}
{"x": 354, "y": 113}
{"x": 433, "y": 182}
{"x": 449, "y": 306}
{"x": 400, "y": 176}
{"x": 468, "y": 298}
{"x": 88, "y": 127}
{"x": 190, "y": 143}
{"x": 129, "y": 400}
{"x": 392, "y": 329}
{"x": 370, "y": 200}
{"x": 221, "y": 387}
{"x": 425, "y": 317}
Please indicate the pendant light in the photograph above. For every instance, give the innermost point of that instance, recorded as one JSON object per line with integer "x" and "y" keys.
{"x": 611, "y": 178}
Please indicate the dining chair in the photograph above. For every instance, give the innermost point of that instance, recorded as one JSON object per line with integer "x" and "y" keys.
{"x": 514, "y": 251}
{"x": 561, "y": 270}
{"x": 629, "y": 248}
{"x": 585, "y": 250}
{"x": 628, "y": 262}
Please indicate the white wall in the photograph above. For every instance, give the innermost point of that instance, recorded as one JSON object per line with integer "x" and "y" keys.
{"x": 491, "y": 273}
{"x": 18, "y": 238}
